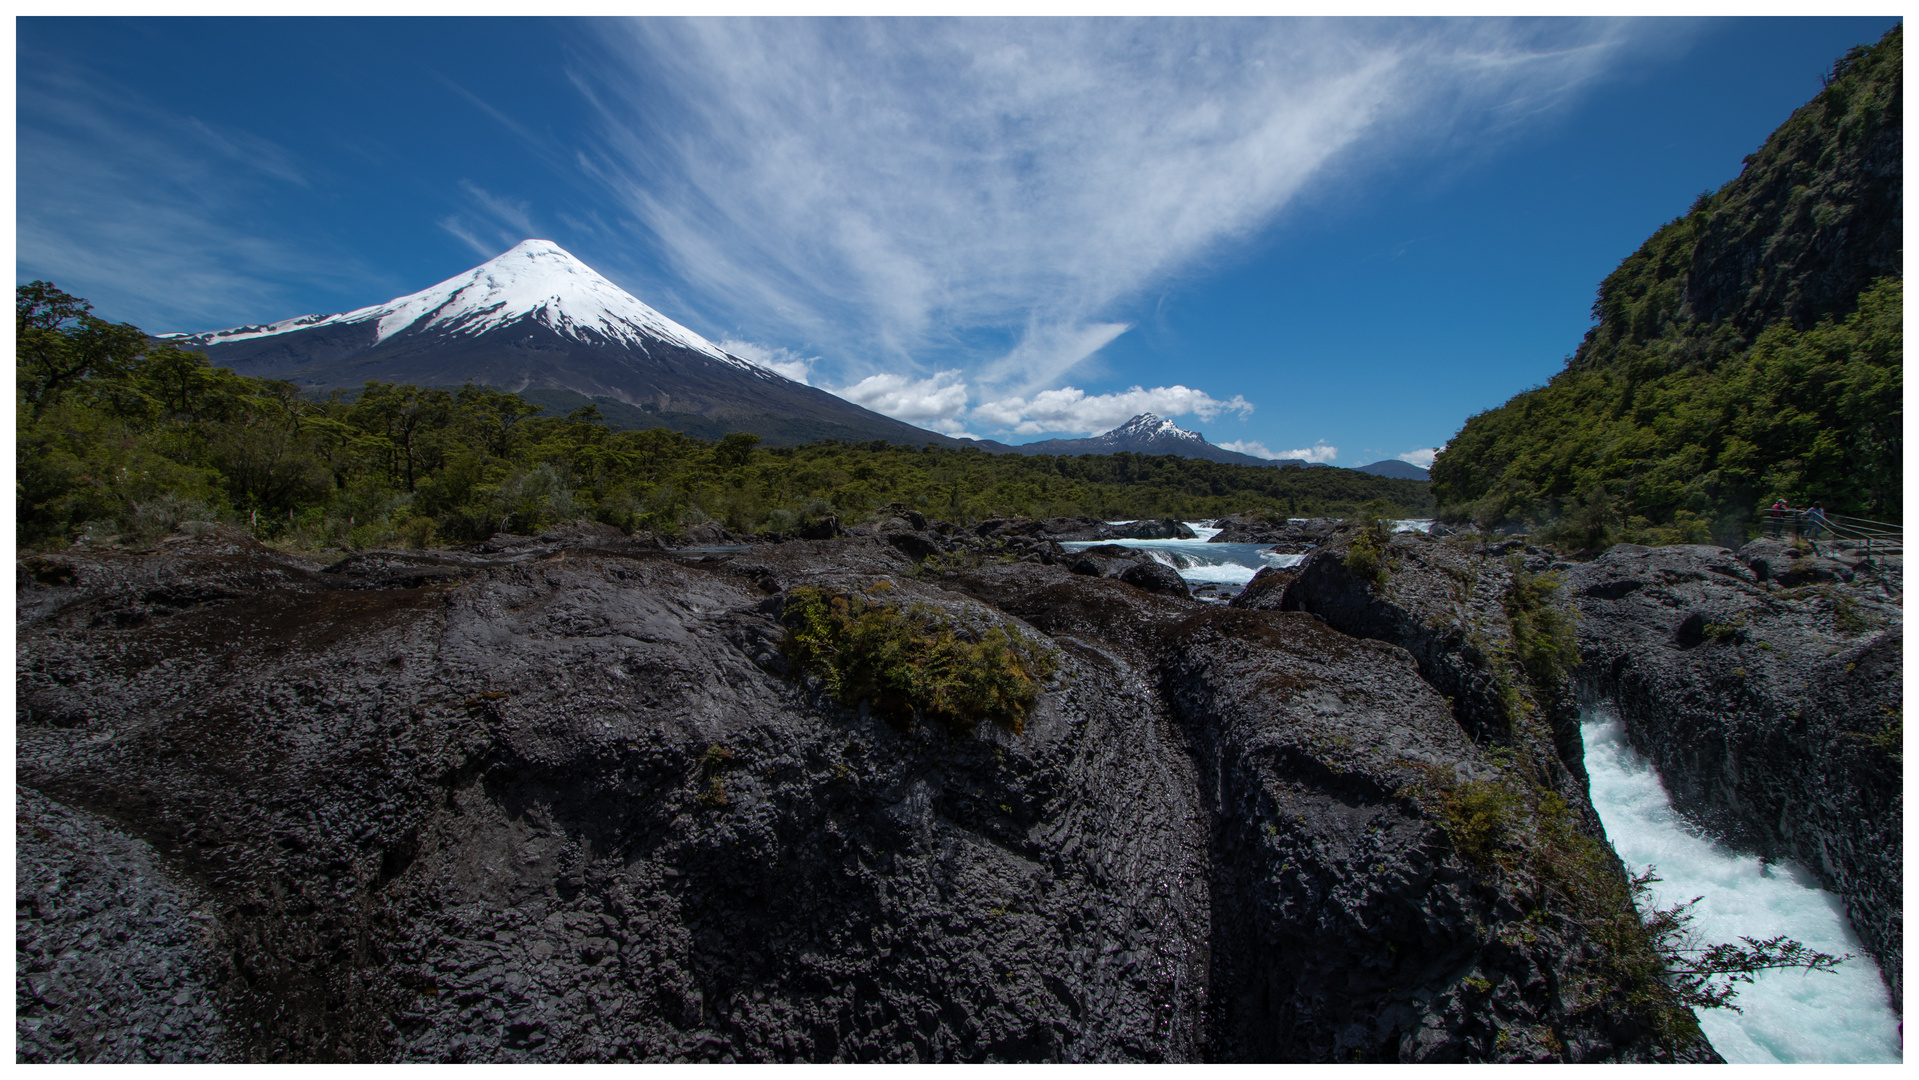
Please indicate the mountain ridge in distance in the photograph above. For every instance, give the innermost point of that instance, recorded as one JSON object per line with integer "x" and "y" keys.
{"x": 1396, "y": 469}
{"x": 1150, "y": 434}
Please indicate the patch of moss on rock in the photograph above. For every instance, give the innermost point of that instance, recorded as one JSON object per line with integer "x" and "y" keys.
{"x": 910, "y": 662}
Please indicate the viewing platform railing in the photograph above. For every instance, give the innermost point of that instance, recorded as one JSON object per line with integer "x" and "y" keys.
{"x": 1875, "y": 538}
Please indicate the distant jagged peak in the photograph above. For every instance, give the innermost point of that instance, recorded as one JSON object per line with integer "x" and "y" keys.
{"x": 534, "y": 279}
{"x": 1150, "y": 426}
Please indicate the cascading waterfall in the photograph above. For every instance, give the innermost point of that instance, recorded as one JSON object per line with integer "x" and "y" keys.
{"x": 1789, "y": 1016}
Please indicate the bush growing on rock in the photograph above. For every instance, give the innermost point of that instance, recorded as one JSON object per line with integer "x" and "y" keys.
{"x": 1542, "y": 629}
{"x": 1367, "y": 556}
{"x": 908, "y": 662}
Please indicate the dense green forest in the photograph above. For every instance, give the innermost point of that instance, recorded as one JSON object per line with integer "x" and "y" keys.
{"x": 1749, "y": 350}
{"x": 120, "y": 435}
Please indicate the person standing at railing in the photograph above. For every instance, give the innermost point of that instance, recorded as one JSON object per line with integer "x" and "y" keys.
{"x": 1778, "y": 518}
{"x": 1815, "y": 520}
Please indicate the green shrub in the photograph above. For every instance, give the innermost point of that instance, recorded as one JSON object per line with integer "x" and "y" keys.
{"x": 1482, "y": 819}
{"x": 1723, "y": 633}
{"x": 1849, "y": 618}
{"x": 910, "y": 662}
{"x": 1543, "y": 641}
{"x": 1367, "y": 557}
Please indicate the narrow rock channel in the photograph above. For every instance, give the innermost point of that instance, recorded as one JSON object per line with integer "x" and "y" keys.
{"x": 1785, "y": 1017}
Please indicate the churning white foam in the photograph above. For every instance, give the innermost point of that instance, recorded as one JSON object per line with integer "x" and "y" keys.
{"x": 1789, "y": 1016}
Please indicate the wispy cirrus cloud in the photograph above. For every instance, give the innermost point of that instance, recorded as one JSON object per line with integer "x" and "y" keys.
{"x": 491, "y": 223}
{"x": 156, "y": 218}
{"x": 897, "y": 193}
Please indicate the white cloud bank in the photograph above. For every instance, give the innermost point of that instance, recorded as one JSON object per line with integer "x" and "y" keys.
{"x": 1318, "y": 452}
{"x": 897, "y": 191}
{"x": 942, "y": 402}
{"x": 1071, "y": 409}
{"x": 1422, "y": 458}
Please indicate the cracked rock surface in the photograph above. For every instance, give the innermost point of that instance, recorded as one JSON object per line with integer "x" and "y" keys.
{"x": 563, "y": 801}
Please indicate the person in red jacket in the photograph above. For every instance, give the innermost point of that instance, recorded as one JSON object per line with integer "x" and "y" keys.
{"x": 1778, "y": 517}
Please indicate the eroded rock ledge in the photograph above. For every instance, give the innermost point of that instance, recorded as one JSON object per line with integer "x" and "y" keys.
{"x": 563, "y": 801}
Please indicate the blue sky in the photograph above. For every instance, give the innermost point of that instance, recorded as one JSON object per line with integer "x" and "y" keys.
{"x": 1338, "y": 237}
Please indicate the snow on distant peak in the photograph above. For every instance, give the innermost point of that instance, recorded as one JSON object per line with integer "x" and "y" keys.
{"x": 1149, "y": 426}
{"x": 534, "y": 279}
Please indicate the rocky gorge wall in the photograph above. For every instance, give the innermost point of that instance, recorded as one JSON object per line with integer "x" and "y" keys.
{"x": 1765, "y": 685}
{"x": 565, "y": 801}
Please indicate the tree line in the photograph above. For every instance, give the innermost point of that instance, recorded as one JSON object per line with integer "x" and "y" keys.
{"x": 122, "y": 435}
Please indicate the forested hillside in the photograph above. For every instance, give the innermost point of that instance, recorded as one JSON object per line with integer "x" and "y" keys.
{"x": 120, "y": 435}
{"x": 1749, "y": 350}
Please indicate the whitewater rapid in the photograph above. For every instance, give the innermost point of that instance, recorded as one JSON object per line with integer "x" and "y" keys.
{"x": 1791, "y": 1016}
{"x": 1198, "y": 561}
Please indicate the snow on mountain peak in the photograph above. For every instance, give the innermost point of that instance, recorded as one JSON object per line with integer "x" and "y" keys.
{"x": 1148, "y": 425}
{"x": 534, "y": 279}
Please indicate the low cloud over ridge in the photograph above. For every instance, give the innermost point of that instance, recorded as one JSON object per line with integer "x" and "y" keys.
{"x": 1318, "y": 452}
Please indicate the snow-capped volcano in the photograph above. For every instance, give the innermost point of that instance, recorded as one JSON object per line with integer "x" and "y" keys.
{"x": 536, "y": 279}
{"x": 539, "y": 322}
{"x": 1150, "y": 428}
{"x": 1149, "y": 434}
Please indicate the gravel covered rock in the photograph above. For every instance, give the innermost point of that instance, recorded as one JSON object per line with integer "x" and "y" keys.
{"x": 115, "y": 959}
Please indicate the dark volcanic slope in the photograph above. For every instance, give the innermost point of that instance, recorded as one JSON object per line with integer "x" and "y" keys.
{"x": 531, "y": 356}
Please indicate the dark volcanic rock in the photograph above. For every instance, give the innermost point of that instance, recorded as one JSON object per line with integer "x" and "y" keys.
{"x": 1131, "y": 565}
{"x": 1160, "y": 529}
{"x": 1444, "y": 603}
{"x": 1790, "y": 566}
{"x": 569, "y": 805}
{"x": 481, "y": 822}
{"x": 706, "y": 534}
{"x": 1344, "y": 926}
{"x": 1086, "y": 528}
{"x": 1155, "y": 577}
{"x": 1771, "y": 713}
{"x": 1287, "y": 537}
{"x": 1266, "y": 592}
{"x": 113, "y": 958}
